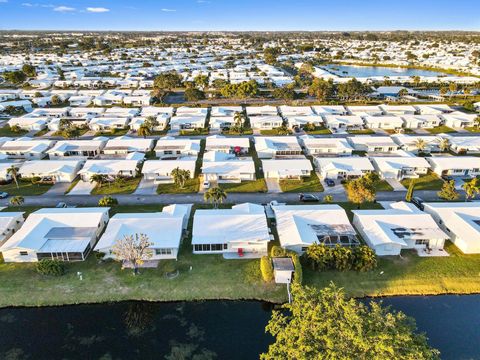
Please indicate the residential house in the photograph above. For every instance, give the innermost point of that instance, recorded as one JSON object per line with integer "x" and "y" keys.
{"x": 300, "y": 226}
{"x": 266, "y": 110}
{"x": 330, "y": 110}
{"x": 10, "y": 222}
{"x": 187, "y": 122}
{"x": 266, "y": 122}
{"x": 227, "y": 168}
{"x": 293, "y": 111}
{"x": 269, "y": 147}
{"x": 399, "y": 110}
{"x": 387, "y": 122}
{"x": 325, "y": 146}
{"x": 343, "y": 122}
{"x": 427, "y": 121}
{"x": 410, "y": 142}
{"x": 373, "y": 144}
{"x": 228, "y": 145}
{"x": 365, "y": 110}
{"x": 343, "y": 167}
{"x": 123, "y": 145}
{"x": 26, "y": 148}
{"x": 463, "y": 144}
{"x": 160, "y": 171}
{"x": 164, "y": 231}
{"x": 459, "y": 119}
{"x": 111, "y": 168}
{"x": 287, "y": 168}
{"x": 51, "y": 171}
{"x": 459, "y": 166}
{"x": 401, "y": 226}
{"x": 172, "y": 148}
{"x": 434, "y": 109}
{"x": 241, "y": 231}
{"x": 29, "y": 123}
{"x": 108, "y": 123}
{"x": 299, "y": 121}
{"x": 65, "y": 234}
{"x": 221, "y": 111}
{"x": 400, "y": 167}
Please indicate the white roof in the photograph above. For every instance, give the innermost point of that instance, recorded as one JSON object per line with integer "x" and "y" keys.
{"x": 397, "y": 224}
{"x": 343, "y": 119}
{"x": 345, "y": 163}
{"x": 329, "y": 109}
{"x": 108, "y": 167}
{"x": 294, "y": 222}
{"x": 241, "y": 223}
{"x": 184, "y": 143}
{"x": 70, "y": 145}
{"x": 296, "y": 110}
{"x": 44, "y": 228}
{"x": 191, "y": 111}
{"x": 285, "y": 165}
{"x": 386, "y": 163}
{"x": 27, "y": 145}
{"x": 434, "y": 108}
{"x": 225, "y": 110}
{"x": 220, "y": 163}
{"x": 261, "y": 110}
{"x": 155, "y": 110}
{"x": 166, "y": 166}
{"x": 221, "y": 141}
{"x": 457, "y": 162}
{"x": 277, "y": 143}
{"x": 132, "y": 144}
{"x": 7, "y": 218}
{"x": 47, "y": 167}
{"x": 372, "y": 140}
{"x": 383, "y": 119}
{"x": 163, "y": 229}
{"x": 187, "y": 119}
{"x": 409, "y": 140}
{"x": 311, "y": 142}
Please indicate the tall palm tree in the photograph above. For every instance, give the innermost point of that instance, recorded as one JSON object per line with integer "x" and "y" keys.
{"x": 421, "y": 145}
{"x": 471, "y": 188}
{"x": 13, "y": 172}
{"x": 180, "y": 176}
{"x": 477, "y": 121}
{"x": 144, "y": 131}
{"x": 17, "y": 200}
{"x": 444, "y": 144}
{"x": 98, "y": 178}
{"x": 215, "y": 195}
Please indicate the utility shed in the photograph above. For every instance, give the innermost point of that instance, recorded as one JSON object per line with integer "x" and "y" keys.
{"x": 283, "y": 269}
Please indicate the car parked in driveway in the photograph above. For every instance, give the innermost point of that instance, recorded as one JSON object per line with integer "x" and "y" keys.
{"x": 3, "y": 195}
{"x": 418, "y": 202}
{"x": 308, "y": 198}
{"x": 206, "y": 184}
{"x": 330, "y": 182}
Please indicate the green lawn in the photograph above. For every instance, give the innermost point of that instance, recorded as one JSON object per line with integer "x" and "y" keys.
{"x": 127, "y": 187}
{"x": 114, "y": 132}
{"x": 191, "y": 186}
{"x": 72, "y": 185}
{"x": 473, "y": 129}
{"x": 25, "y": 188}
{"x": 194, "y": 132}
{"x": 5, "y": 131}
{"x": 427, "y": 182}
{"x": 361, "y": 132}
{"x": 319, "y": 131}
{"x": 41, "y": 132}
{"x": 441, "y": 129}
{"x": 272, "y": 132}
{"x": 236, "y": 133}
{"x": 383, "y": 185}
{"x": 308, "y": 184}
{"x": 258, "y": 185}
{"x": 81, "y": 131}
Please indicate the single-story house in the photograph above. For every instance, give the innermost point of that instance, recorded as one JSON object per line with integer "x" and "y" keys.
{"x": 186, "y": 122}
{"x": 426, "y": 121}
{"x": 221, "y": 122}
{"x": 108, "y": 123}
{"x": 330, "y": 110}
{"x": 10, "y": 222}
{"x": 365, "y": 110}
{"x": 25, "y": 104}
{"x": 86, "y": 112}
{"x": 29, "y": 123}
{"x": 293, "y": 111}
{"x": 287, "y": 168}
{"x": 111, "y": 168}
{"x": 399, "y": 109}
{"x": 55, "y": 171}
{"x": 343, "y": 122}
{"x": 26, "y": 148}
{"x": 463, "y": 144}
{"x": 4, "y": 166}
{"x": 225, "y": 111}
{"x": 401, "y": 226}
{"x": 266, "y": 110}
{"x": 172, "y": 148}
{"x": 409, "y": 142}
{"x": 161, "y": 170}
{"x": 164, "y": 230}
{"x": 224, "y": 168}
{"x": 156, "y": 111}
{"x": 388, "y": 122}
{"x": 459, "y": 119}
{"x": 325, "y": 146}
{"x": 400, "y": 167}
{"x": 123, "y": 145}
{"x": 373, "y": 144}
{"x": 300, "y": 226}
{"x": 186, "y": 111}
{"x": 299, "y": 121}
{"x": 76, "y": 149}
{"x": 269, "y": 147}
{"x": 65, "y": 234}
{"x": 161, "y": 119}
{"x": 229, "y": 145}
{"x": 455, "y": 166}
{"x": 80, "y": 100}
{"x": 241, "y": 231}
{"x": 265, "y": 122}
{"x": 433, "y": 109}
{"x": 460, "y": 220}
{"x": 343, "y": 167}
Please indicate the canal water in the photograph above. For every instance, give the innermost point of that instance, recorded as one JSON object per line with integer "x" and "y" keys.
{"x": 370, "y": 71}
{"x": 201, "y": 330}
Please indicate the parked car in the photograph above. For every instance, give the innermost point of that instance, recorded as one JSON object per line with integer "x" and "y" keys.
{"x": 206, "y": 184}
{"x": 308, "y": 198}
{"x": 329, "y": 182}
{"x": 447, "y": 177}
{"x": 3, "y": 195}
{"x": 418, "y": 202}
{"x": 61, "y": 205}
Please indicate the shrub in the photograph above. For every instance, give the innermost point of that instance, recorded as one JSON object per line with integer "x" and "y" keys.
{"x": 99, "y": 255}
{"x": 107, "y": 201}
{"x": 266, "y": 268}
{"x": 51, "y": 267}
{"x": 342, "y": 258}
{"x": 365, "y": 258}
{"x": 298, "y": 275}
{"x": 277, "y": 251}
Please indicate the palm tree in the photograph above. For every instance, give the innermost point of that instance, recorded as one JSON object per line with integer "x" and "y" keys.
{"x": 180, "y": 176}
{"x": 471, "y": 188}
{"x": 98, "y": 178}
{"x": 444, "y": 144}
{"x": 215, "y": 195}
{"x": 13, "y": 172}
{"x": 477, "y": 121}
{"x": 64, "y": 124}
{"x": 17, "y": 200}
{"x": 421, "y": 145}
{"x": 144, "y": 131}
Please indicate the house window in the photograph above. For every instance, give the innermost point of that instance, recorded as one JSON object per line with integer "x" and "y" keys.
{"x": 422, "y": 242}
{"x": 168, "y": 152}
{"x": 23, "y": 253}
{"x": 163, "y": 251}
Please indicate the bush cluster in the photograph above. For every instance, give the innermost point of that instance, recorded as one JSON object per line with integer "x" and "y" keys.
{"x": 50, "y": 267}
{"x": 321, "y": 257}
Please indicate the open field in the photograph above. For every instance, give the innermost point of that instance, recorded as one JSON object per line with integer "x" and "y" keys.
{"x": 25, "y": 188}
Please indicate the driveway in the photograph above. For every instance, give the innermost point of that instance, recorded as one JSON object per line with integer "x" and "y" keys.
{"x": 396, "y": 185}
{"x": 146, "y": 187}
{"x": 458, "y": 183}
{"x": 330, "y": 190}
{"x": 82, "y": 188}
{"x": 273, "y": 185}
{"x": 421, "y": 131}
{"x": 58, "y": 189}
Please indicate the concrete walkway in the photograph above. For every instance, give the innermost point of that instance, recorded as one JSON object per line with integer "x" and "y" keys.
{"x": 82, "y": 188}
{"x": 396, "y": 185}
{"x": 146, "y": 187}
{"x": 273, "y": 186}
{"x": 58, "y": 189}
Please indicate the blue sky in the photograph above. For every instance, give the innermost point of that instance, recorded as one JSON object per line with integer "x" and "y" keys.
{"x": 240, "y": 15}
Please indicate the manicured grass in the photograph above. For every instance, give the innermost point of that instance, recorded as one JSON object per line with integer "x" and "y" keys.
{"x": 441, "y": 129}
{"x": 191, "y": 186}
{"x": 427, "y": 182}
{"x": 25, "y": 188}
{"x": 258, "y": 185}
{"x": 236, "y": 133}
{"x": 72, "y": 185}
{"x": 41, "y": 132}
{"x": 319, "y": 131}
{"x": 308, "y": 184}
{"x": 272, "y": 132}
{"x": 195, "y": 132}
{"x": 115, "y": 132}
{"x": 81, "y": 131}
{"x": 409, "y": 275}
{"x": 473, "y": 129}
{"x": 5, "y": 131}
{"x": 383, "y": 185}
{"x": 361, "y": 132}
{"x": 127, "y": 187}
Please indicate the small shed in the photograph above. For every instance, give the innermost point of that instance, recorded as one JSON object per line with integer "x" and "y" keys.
{"x": 283, "y": 269}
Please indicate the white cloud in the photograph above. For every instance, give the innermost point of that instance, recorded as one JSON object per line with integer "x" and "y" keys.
{"x": 203, "y": 1}
{"x": 28, "y": 4}
{"x": 3, "y": 1}
{"x": 64, "y": 9}
{"x": 168, "y": 10}
{"x": 97, "y": 9}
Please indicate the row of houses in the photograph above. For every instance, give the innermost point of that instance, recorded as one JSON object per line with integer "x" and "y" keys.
{"x": 239, "y": 232}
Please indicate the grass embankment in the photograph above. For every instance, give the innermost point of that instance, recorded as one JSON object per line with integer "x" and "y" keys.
{"x": 128, "y": 186}
{"x": 114, "y": 132}
{"x": 191, "y": 186}
{"x": 25, "y": 188}
{"x": 383, "y": 185}
{"x": 258, "y": 185}
{"x": 307, "y": 184}
{"x": 320, "y": 130}
{"x": 427, "y": 182}
{"x": 361, "y": 132}
{"x": 473, "y": 129}
{"x": 441, "y": 129}
{"x": 7, "y": 131}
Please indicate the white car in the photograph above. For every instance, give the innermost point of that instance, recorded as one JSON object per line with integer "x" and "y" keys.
{"x": 206, "y": 184}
